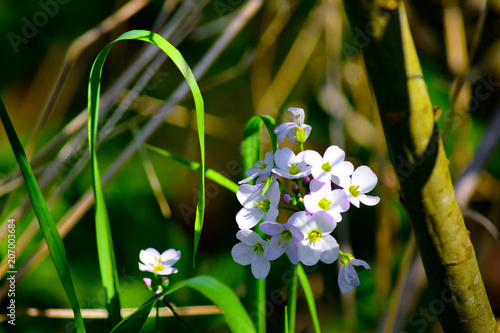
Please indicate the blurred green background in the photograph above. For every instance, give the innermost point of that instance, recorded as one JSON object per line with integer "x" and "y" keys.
{"x": 288, "y": 54}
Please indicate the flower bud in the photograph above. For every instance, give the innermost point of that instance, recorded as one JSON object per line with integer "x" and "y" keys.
{"x": 290, "y": 200}
{"x": 306, "y": 180}
{"x": 300, "y": 135}
{"x": 147, "y": 283}
{"x": 295, "y": 188}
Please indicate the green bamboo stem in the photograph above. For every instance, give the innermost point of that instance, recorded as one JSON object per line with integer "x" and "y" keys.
{"x": 292, "y": 299}
{"x": 381, "y": 29}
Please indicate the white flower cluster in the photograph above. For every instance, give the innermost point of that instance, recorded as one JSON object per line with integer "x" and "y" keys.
{"x": 306, "y": 235}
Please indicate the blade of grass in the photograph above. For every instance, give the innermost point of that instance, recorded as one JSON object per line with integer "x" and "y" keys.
{"x": 304, "y": 282}
{"x": 52, "y": 237}
{"x": 135, "y": 321}
{"x": 234, "y": 313}
{"x": 104, "y": 240}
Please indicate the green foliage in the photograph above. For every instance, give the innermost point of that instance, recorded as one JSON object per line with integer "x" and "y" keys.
{"x": 104, "y": 241}
{"x": 49, "y": 229}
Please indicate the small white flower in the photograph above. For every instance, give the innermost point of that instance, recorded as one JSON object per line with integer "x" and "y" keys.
{"x": 322, "y": 198}
{"x": 318, "y": 244}
{"x": 290, "y": 166}
{"x": 260, "y": 168}
{"x": 296, "y": 131}
{"x": 330, "y": 166}
{"x": 153, "y": 261}
{"x": 257, "y": 206}
{"x": 348, "y": 277}
{"x": 285, "y": 237}
{"x": 362, "y": 181}
{"x": 251, "y": 250}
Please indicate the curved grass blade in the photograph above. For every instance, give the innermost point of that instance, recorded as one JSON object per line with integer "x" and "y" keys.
{"x": 209, "y": 173}
{"x": 134, "y": 321}
{"x": 304, "y": 282}
{"x": 49, "y": 229}
{"x": 105, "y": 244}
{"x": 235, "y": 315}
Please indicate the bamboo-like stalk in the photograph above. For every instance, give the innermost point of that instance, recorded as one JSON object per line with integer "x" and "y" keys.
{"x": 419, "y": 159}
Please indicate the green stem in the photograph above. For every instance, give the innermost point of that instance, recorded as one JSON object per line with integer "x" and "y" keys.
{"x": 292, "y": 299}
{"x": 260, "y": 293}
{"x": 301, "y": 145}
{"x": 158, "y": 330}
{"x": 288, "y": 208}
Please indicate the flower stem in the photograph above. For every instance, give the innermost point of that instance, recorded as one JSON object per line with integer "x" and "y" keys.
{"x": 260, "y": 293}
{"x": 158, "y": 330}
{"x": 288, "y": 208}
{"x": 301, "y": 145}
{"x": 292, "y": 299}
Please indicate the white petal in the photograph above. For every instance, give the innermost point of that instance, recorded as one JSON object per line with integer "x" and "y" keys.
{"x": 283, "y": 129}
{"x": 311, "y": 203}
{"x": 275, "y": 250}
{"x": 299, "y": 220}
{"x": 242, "y": 254}
{"x": 248, "y": 194}
{"x": 148, "y": 256}
{"x": 260, "y": 266}
{"x": 333, "y": 155}
{"x": 359, "y": 262}
{"x": 343, "y": 182}
{"x": 247, "y": 218}
{"x": 283, "y": 158}
{"x": 330, "y": 248}
{"x": 248, "y": 237}
{"x": 353, "y": 200}
{"x": 321, "y": 175}
{"x": 271, "y": 228}
{"x": 145, "y": 268}
{"x": 297, "y": 112}
{"x": 365, "y": 178}
{"x": 293, "y": 250}
{"x": 246, "y": 180}
{"x": 170, "y": 257}
{"x": 307, "y": 130}
{"x": 345, "y": 286}
{"x": 310, "y": 253}
{"x": 167, "y": 270}
{"x": 318, "y": 186}
{"x": 368, "y": 199}
{"x": 324, "y": 221}
{"x": 271, "y": 215}
{"x": 273, "y": 193}
{"x": 343, "y": 169}
{"x": 291, "y": 135}
{"x": 297, "y": 234}
{"x": 339, "y": 203}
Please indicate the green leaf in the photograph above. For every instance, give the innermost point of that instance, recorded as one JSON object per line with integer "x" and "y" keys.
{"x": 209, "y": 173}
{"x": 134, "y": 321}
{"x": 235, "y": 315}
{"x": 49, "y": 229}
{"x": 251, "y": 145}
{"x": 304, "y": 282}
{"x": 104, "y": 241}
